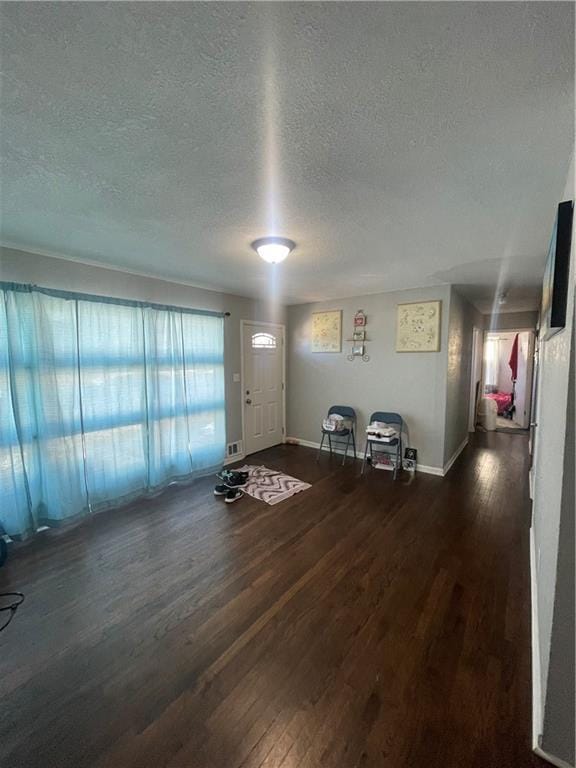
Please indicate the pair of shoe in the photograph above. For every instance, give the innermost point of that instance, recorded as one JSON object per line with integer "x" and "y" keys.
{"x": 231, "y": 494}
{"x": 232, "y": 482}
{"x": 233, "y": 478}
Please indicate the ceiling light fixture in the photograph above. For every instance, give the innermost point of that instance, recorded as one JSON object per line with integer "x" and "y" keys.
{"x": 273, "y": 249}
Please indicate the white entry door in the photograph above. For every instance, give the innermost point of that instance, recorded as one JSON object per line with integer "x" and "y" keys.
{"x": 263, "y": 387}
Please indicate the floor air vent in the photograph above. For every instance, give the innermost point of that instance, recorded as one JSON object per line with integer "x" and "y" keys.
{"x": 234, "y": 449}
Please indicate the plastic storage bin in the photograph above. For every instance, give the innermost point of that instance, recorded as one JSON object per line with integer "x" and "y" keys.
{"x": 487, "y": 413}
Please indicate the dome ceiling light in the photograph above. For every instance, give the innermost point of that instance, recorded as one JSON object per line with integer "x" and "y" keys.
{"x": 273, "y": 249}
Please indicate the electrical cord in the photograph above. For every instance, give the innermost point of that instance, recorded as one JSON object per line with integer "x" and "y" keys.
{"x": 12, "y": 607}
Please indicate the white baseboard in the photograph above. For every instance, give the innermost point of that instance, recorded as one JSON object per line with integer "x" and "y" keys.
{"x": 438, "y": 471}
{"x": 360, "y": 455}
{"x": 304, "y": 443}
{"x": 537, "y": 715}
{"x": 233, "y": 459}
{"x": 457, "y": 452}
{"x": 551, "y": 759}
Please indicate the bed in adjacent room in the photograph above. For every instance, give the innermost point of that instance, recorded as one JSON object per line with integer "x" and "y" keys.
{"x": 503, "y": 401}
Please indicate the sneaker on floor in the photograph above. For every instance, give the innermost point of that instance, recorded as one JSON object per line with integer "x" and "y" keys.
{"x": 233, "y": 479}
{"x": 221, "y": 490}
{"x": 233, "y": 495}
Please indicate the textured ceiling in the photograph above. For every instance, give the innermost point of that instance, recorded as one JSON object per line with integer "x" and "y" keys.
{"x": 399, "y": 144}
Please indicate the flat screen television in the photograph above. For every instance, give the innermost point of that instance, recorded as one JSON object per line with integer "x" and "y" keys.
{"x": 556, "y": 276}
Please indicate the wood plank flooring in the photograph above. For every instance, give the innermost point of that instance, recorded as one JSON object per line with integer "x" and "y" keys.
{"x": 360, "y": 623}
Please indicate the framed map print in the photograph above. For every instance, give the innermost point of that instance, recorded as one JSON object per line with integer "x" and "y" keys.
{"x": 327, "y": 331}
{"x": 418, "y": 327}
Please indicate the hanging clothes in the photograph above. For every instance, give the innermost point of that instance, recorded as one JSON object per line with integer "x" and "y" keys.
{"x": 513, "y": 361}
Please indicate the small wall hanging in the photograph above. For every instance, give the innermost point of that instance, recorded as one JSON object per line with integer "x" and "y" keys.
{"x": 418, "y": 327}
{"x": 358, "y": 339}
{"x": 327, "y": 331}
{"x": 359, "y": 319}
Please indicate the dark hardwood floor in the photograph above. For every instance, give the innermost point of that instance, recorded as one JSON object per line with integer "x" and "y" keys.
{"x": 360, "y": 623}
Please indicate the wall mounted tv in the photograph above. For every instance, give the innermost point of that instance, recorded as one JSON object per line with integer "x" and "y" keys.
{"x": 556, "y": 276}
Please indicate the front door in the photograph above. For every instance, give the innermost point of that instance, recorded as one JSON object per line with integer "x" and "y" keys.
{"x": 263, "y": 393}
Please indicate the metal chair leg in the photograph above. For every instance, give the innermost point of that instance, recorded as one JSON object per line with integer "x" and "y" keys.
{"x": 354, "y": 445}
{"x": 330, "y": 443}
{"x": 365, "y": 456}
{"x": 346, "y": 449}
{"x": 397, "y": 460}
{"x": 320, "y": 449}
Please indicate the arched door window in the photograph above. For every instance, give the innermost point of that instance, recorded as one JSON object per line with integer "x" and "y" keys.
{"x": 263, "y": 341}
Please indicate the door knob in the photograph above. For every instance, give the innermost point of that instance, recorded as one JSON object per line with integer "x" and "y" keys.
{"x": 248, "y": 401}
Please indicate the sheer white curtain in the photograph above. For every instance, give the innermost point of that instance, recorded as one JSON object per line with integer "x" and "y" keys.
{"x": 101, "y": 402}
{"x": 491, "y": 361}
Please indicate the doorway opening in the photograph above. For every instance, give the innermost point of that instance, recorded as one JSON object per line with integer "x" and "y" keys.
{"x": 505, "y": 396}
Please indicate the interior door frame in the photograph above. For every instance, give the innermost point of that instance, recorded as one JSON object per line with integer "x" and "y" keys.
{"x": 282, "y": 327}
{"x": 530, "y": 375}
{"x": 477, "y": 347}
{"x": 531, "y": 345}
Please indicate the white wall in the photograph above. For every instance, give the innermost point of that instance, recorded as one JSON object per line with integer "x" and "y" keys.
{"x": 22, "y": 267}
{"x": 412, "y": 384}
{"x": 552, "y": 401}
{"x": 560, "y": 710}
{"x": 504, "y": 321}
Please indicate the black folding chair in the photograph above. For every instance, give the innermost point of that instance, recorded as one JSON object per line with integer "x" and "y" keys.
{"x": 393, "y": 419}
{"x": 338, "y": 435}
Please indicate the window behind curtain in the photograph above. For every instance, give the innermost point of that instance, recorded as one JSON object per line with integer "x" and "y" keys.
{"x": 101, "y": 402}
{"x": 491, "y": 358}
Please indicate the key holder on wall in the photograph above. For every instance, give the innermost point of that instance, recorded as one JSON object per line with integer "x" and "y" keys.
{"x": 359, "y": 340}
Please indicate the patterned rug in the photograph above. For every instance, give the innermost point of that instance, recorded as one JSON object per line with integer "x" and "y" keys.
{"x": 270, "y": 486}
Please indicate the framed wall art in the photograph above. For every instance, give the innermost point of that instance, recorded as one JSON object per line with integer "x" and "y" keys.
{"x": 327, "y": 331}
{"x": 418, "y": 327}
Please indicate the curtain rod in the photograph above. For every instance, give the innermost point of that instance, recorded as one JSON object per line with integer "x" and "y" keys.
{"x": 75, "y": 296}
